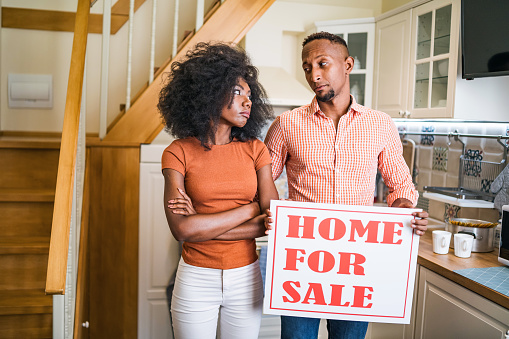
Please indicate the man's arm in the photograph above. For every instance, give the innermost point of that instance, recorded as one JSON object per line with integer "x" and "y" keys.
{"x": 277, "y": 148}
{"x": 397, "y": 177}
{"x": 394, "y": 169}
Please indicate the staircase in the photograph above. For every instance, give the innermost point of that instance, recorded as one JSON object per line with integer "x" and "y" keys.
{"x": 28, "y": 171}
{"x": 27, "y": 186}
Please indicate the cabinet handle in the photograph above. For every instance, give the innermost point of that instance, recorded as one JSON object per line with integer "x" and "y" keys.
{"x": 404, "y": 114}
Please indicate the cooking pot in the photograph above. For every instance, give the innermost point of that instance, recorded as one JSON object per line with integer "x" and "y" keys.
{"x": 483, "y": 232}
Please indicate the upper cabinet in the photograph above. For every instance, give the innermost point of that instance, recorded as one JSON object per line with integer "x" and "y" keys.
{"x": 434, "y": 58}
{"x": 359, "y": 35}
{"x": 416, "y": 61}
{"x": 390, "y": 90}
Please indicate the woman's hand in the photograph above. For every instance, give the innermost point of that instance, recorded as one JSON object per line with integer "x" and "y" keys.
{"x": 268, "y": 221}
{"x": 183, "y": 206}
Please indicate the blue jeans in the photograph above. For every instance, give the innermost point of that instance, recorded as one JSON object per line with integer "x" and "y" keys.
{"x": 307, "y": 328}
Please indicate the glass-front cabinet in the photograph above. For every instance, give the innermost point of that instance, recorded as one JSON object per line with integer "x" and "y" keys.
{"x": 359, "y": 36}
{"x": 433, "y": 61}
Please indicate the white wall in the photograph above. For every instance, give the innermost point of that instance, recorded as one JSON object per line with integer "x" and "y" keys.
{"x": 46, "y": 52}
{"x": 276, "y": 39}
{"x": 277, "y": 36}
{"x": 481, "y": 98}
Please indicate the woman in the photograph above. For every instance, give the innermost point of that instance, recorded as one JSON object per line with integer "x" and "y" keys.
{"x": 214, "y": 104}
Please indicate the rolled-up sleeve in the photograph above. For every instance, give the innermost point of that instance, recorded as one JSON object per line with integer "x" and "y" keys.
{"x": 394, "y": 169}
{"x": 277, "y": 148}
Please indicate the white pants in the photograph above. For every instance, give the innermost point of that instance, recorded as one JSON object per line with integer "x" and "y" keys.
{"x": 204, "y": 295}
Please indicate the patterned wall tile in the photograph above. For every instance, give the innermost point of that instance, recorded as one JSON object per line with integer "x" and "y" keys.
{"x": 428, "y": 139}
{"x": 472, "y": 168}
{"x": 440, "y": 155}
{"x": 451, "y": 211}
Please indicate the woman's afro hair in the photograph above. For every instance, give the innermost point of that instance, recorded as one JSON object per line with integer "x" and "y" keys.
{"x": 200, "y": 86}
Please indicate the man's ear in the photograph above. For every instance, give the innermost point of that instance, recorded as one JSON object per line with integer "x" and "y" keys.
{"x": 349, "y": 64}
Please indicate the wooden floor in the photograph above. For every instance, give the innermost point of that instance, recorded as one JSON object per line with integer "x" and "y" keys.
{"x": 28, "y": 167}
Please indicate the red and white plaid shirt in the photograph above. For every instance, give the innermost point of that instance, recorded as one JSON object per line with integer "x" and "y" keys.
{"x": 326, "y": 165}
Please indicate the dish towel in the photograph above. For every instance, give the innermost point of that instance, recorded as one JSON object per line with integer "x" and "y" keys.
{"x": 500, "y": 186}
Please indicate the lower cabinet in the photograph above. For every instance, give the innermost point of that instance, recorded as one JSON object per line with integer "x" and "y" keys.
{"x": 444, "y": 309}
{"x": 448, "y": 310}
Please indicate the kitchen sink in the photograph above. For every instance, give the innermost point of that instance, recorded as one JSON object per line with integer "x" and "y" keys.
{"x": 460, "y": 193}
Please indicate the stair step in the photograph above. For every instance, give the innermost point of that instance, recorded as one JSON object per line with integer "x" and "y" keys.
{"x": 26, "y": 326}
{"x": 24, "y": 245}
{"x": 30, "y": 140}
{"x": 27, "y": 195}
{"x": 25, "y": 302}
{"x": 23, "y": 270}
{"x": 25, "y": 219}
{"x": 29, "y": 143}
{"x": 34, "y": 168}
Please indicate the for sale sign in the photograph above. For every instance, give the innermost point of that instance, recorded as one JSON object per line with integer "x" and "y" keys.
{"x": 341, "y": 262}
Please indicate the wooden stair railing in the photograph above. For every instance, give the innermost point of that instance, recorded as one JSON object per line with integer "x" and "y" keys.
{"x": 142, "y": 122}
{"x": 58, "y": 21}
{"x": 59, "y": 243}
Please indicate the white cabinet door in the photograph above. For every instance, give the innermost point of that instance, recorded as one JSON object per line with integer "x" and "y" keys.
{"x": 392, "y": 60}
{"x": 158, "y": 256}
{"x": 433, "y": 59}
{"x": 447, "y": 310}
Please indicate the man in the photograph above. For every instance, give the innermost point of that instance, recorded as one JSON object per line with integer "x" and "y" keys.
{"x": 332, "y": 149}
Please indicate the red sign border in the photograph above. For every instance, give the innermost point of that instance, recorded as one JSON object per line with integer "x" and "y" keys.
{"x": 354, "y": 314}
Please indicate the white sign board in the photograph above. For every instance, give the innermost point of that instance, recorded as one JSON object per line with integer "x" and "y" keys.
{"x": 341, "y": 262}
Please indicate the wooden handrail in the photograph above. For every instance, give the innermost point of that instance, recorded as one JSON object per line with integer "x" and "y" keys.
{"x": 59, "y": 244}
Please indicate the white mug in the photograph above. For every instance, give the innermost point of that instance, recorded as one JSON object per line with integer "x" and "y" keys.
{"x": 441, "y": 241}
{"x": 463, "y": 245}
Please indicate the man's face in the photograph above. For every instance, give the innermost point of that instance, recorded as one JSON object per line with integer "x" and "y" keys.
{"x": 326, "y": 66}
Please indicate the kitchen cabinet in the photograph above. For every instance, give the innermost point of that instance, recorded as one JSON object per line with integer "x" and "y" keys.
{"x": 359, "y": 35}
{"x": 392, "y": 50}
{"x": 433, "y": 58}
{"x": 447, "y": 310}
{"x": 158, "y": 251}
{"x": 416, "y": 61}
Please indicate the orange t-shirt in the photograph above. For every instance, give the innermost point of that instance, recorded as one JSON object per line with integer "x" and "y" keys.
{"x": 218, "y": 180}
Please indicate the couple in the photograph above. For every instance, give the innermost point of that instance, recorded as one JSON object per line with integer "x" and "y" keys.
{"x": 219, "y": 177}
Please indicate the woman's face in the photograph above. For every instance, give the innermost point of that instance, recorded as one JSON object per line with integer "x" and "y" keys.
{"x": 236, "y": 114}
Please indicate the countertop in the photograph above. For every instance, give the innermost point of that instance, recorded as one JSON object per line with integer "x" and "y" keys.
{"x": 445, "y": 264}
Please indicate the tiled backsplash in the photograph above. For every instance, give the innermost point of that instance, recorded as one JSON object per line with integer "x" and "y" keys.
{"x": 437, "y": 159}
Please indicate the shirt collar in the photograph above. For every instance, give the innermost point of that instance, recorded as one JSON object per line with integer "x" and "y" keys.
{"x": 354, "y": 107}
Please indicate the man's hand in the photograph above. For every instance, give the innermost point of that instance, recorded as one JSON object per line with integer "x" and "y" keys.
{"x": 420, "y": 221}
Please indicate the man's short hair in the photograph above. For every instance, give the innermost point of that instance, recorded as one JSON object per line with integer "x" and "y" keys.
{"x": 333, "y": 38}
